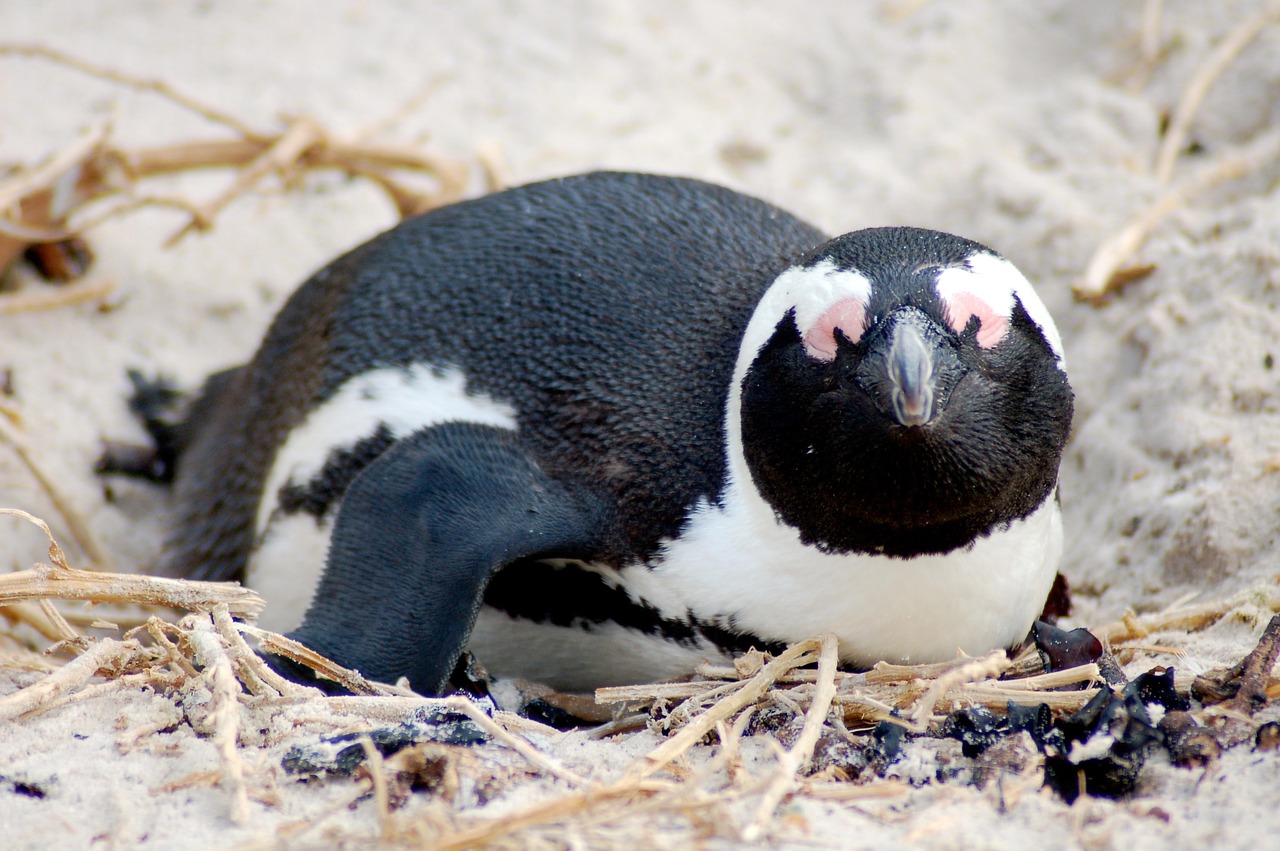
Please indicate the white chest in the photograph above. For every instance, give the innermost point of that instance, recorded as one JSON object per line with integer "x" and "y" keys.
{"x": 739, "y": 563}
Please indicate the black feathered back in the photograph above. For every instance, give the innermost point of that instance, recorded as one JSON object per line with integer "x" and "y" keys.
{"x": 607, "y": 309}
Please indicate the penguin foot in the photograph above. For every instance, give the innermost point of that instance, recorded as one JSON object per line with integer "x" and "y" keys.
{"x": 155, "y": 403}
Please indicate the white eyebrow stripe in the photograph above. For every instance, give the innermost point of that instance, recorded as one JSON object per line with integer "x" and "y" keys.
{"x": 998, "y": 282}
{"x": 813, "y": 290}
{"x": 956, "y": 279}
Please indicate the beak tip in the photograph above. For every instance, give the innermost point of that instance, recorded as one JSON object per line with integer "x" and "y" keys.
{"x": 918, "y": 412}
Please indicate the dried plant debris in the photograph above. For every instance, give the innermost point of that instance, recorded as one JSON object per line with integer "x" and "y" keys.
{"x": 46, "y": 207}
{"x": 1111, "y": 268}
{"x": 1190, "y": 744}
{"x": 1247, "y": 687}
{"x": 1268, "y": 737}
{"x": 720, "y": 755}
{"x": 61, "y": 261}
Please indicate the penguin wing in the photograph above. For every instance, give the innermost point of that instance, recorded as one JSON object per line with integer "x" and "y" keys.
{"x": 420, "y": 533}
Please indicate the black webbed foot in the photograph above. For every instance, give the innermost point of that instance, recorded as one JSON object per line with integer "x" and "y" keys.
{"x": 155, "y": 403}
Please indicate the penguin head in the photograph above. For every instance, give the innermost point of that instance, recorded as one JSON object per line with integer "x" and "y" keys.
{"x": 900, "y": 391}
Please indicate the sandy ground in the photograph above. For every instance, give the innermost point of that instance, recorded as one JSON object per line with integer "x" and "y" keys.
{"x": 1030, "y": 127}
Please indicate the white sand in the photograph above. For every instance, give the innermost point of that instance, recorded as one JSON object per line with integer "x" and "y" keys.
{"x": 1022, "y": 125}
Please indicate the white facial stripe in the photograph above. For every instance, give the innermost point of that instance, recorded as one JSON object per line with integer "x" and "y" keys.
{"x": 808, "y": 290}
{"x": 998, "y": 282}
{"x": 994, "y": 289}
{"x": 403, "y": 399}
{"x": 812, "y": 291}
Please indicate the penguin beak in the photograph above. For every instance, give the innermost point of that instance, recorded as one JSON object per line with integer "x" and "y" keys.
{"x": 908, "y": 369}
{"x": 911, "y": 376}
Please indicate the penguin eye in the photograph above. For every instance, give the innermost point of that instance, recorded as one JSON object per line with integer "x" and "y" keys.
{"x": 848, "y": 316}
{"x": 961, "y": 308}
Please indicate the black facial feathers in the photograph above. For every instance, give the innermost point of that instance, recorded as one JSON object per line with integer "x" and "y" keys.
{"x": 828, "y": 453}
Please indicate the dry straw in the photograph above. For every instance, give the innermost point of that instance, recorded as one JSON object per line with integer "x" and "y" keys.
{"x": 696, "y": 775}
{"x": 90, "y": 180}
{"x": 1110, "y": 268}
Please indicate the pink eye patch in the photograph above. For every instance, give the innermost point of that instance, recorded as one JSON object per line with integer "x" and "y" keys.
{"x": 961, "y": 307}
{"x": 849, "y": 315}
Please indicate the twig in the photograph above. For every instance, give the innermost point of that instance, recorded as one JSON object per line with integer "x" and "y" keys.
{"x": 990, "y": 666}
{"x": 71, "y": 584}
{"x": 76, "y": 524}
{"x": 65, "y": 631}
{"x": 887, "y": 672}
{"x": 496, "y": 174}
{"x": 543, "y": 812}
{"x": 731, "y": 745}
{"x": 1190, "y": 618}
{"x": 67, "y": 678}
{"x": 91, "y": 692}
{"x": 1105, "y": 272}
{"x": 33, "y": 614}
{"x": 1051, "y": 680}
{"x": 281, "y": 645}
{"x": 391, "y": 709}
{"x": 655, "y": 691}
{"x": 520, "y": 746}
{"x": 784, "y": 779}
{"x": 232, "y": 153}
{"x": 1208, "y": 73}
{"x": 371, "y": 160}
{"x": 878, "y": 709}
{"x": 996, "y": 698}
{"x": 796, "y": 655}
{"x": 698, "y": 703}
{"x": 159, "y": 87}
{"x": 284, "y": 152}
{"x": 377, "y": 771}
{"x": 225, "y": 715}
{"x": 48, "y": 199}
{"x": 155, "y": 628}
{"x": 854, "y": 792}
{"x": 720, "y": 672}
{"x": 16, "y": 188}
{"x": 252, "y": 671}
{"x": 1103, "y": 268}
{"x": 1149, "y": 35}
{"x": 53, "y": 299}
{"x": 1254, "y": 671}
{"x": 624, "y": 724}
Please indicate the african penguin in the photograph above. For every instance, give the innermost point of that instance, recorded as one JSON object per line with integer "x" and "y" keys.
{"x": 601, "y": 428}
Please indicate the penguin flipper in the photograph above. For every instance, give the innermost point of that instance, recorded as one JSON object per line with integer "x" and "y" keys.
{"x": 418, "y": 536}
